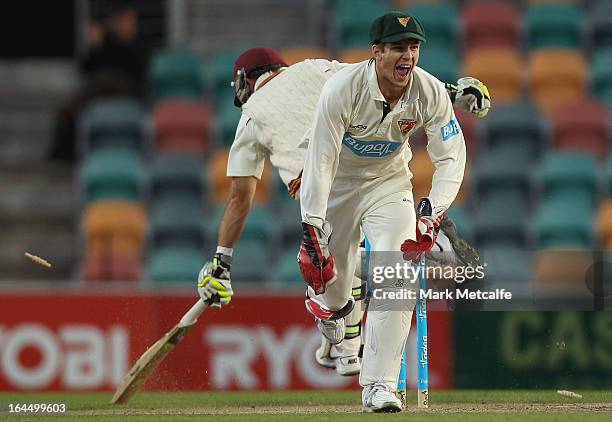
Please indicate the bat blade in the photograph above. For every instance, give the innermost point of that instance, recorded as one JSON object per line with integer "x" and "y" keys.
{"x": 147, "y": 363}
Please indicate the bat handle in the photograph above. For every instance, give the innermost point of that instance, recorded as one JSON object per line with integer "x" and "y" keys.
{"x": 191, "y": 317}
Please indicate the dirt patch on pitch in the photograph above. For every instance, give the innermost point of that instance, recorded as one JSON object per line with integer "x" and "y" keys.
{"x": 446, "y": 408}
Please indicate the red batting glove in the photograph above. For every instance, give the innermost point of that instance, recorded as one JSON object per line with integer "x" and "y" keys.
{"x": 315, "y": 261}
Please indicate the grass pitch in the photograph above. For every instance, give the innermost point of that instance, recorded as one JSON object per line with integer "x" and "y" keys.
{"x": 334, "y": 406}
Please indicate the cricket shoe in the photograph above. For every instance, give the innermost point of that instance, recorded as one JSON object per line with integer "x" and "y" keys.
{"x": 379, "y": 398}
{"x": 343, "y": 361}
{"x": 450, "y": 249}
{"x": 332, "y": 330}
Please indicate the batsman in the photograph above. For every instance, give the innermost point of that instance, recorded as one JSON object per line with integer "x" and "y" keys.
{"x": 278, "y": 105}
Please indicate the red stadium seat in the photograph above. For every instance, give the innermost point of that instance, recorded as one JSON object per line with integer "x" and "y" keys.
{"x": 467, "y": 122}
{"x": 493, "y": 24}
{"x": 112, "y": 268}
{"x": 582, "y": 126}
{"x": 182, "y": 126}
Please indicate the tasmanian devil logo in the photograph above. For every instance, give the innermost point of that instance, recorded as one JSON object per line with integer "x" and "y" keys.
{"x": 405, "y": 125}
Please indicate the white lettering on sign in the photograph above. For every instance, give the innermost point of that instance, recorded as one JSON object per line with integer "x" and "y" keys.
{"x": 80, "y": 356}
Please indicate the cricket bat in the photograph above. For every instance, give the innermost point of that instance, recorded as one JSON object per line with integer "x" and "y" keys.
{"x": 155, "y": 354}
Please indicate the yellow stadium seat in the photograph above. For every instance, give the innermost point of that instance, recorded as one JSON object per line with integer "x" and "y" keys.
{"x": 499, "y": 68}
{"x": 604, "y": 223}
{"x": 115, "y": 228}
{"x": 220, "y": 183}
{"x": 558, "y": 76}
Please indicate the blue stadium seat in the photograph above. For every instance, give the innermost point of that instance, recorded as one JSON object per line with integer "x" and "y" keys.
{"x": 554, "y": 25}
{"x": 176, "y": 74}
{"x": 175, "y": 264}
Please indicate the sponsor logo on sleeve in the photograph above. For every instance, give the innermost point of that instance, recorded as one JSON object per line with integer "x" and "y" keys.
{"x": 365, "y": 148}
{"x": 450, "y": 129}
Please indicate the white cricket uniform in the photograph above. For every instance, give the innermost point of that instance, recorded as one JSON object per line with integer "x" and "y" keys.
{"x": 356, "y": 174}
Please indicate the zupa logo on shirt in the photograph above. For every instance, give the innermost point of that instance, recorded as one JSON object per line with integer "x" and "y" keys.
{"x": 450, "y": 129}
{"x": 362, "y": 148}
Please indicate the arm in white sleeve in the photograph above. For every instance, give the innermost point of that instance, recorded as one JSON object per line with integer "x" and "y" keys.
{"x": 247, "y": 155}
{"x": 446, "y": 148}
{"x": 323, "y": 153}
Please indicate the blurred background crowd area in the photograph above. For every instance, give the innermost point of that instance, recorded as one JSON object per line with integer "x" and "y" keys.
{"x": 117, "y": 117}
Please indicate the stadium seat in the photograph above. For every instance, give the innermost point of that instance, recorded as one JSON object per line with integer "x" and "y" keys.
{"x": 177, "y": 175}
{"x": 297, "y": 54}
{"x": 582, "y": 126}
{"x": 260, "y": 225}
{"x": 492, "y": 24}
{"x": 220, "y": 183}
{"x": 289, "y": 228}
{"x": 113, "y": 228}
{"x": 112, "y": 173}
{"x": 176, "y": 74}
{"x": 440, "y": 62}
{"x": 601, "y": 75}
{"x": 182, "y": 126}
{"x": 111, "y": 122}
{"x": 608, "y": 175}
{"x": 287, "y": 270}
{"x": 569, "y": 176}
{"x": 499, "y": 68}
{"x": 564, "y": 223}
{"x": 506, "y": 264}
{"x": 177, "y": 223}
{"x": 219, "y": 73}
{"x": 354, "y": 55}
{"x": 111, "y": 268}
{"x": 228, "y": 116}
{"x": 556, "y": 266}
{"x": 353, "y": 19}
{"x": 459, "y": 215}
{"x": 467, "y": 121}
{"x": 175, "y": 264}
{"x": 604, "y": 223}
{"x": 600, "y": 24}
{"x": 517, "y": 124}
{"x": 251, "y": 262}
{"x": 500, "y": 221}
{"x": 440, "y": 23}
{"x": 557, "y": 77}
{"x": 554, "y": 25}
{"x": 501, "y": 169}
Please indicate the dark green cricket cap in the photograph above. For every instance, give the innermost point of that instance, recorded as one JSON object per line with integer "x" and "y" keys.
{"x": 396, "y": 26}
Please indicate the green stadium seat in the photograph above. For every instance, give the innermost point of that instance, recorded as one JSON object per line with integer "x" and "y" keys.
{"x": 287, "y": 269}
{"x": 177, "y": 175}
{"x": 440, "y": 62}
{"x": 608, "y": 175}
{"x": 440, "y": 23}
{"x": 503, "y": 169}
{"x": 516, "y": 123}
{"x": 219, "y": 73}
{"x": 353, "y": 19}
{"x": 176, "y": 74}
{"x": 177, "y": 222}
{"x": 460, "y": 217}
{"x": 260, "y": 225}
{"x": 227, "y": 119}
{"x": 175, "y": 264}
{"x": 289, "y": 227}
{"x": 600, "y": 24}
{"x": 251, "y": 261}
{"x": 500, "y": 221}
{"x": 564, "y": 223}
{"x": 112, "y": 173}
{"x": 112, "y": 122}
{"x": 554, "y": 25}
{"x": 569, "y": 175}
{"x": 601, "y": 76}
{"x": 506, "y": 264}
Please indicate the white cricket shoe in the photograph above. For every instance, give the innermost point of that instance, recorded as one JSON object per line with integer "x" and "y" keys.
{"x": 345, "y": 362}
{"x": 333, "y": 331}
{"x": 379, "y": 398}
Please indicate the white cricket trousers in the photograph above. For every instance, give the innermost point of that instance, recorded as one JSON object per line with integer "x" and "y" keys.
{"x": 384, "y": 210}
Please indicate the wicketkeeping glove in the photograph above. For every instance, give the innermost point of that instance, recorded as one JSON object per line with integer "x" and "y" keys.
{"x": 214, "y": 283}
{"x": 471, "y": 95}
{"x": 315, "y": 261}
{"x": 427, "y": 228}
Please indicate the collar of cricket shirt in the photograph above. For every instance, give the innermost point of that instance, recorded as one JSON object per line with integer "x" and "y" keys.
{"x": 410, "y": 94}
{"x": 267, "y": 77}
